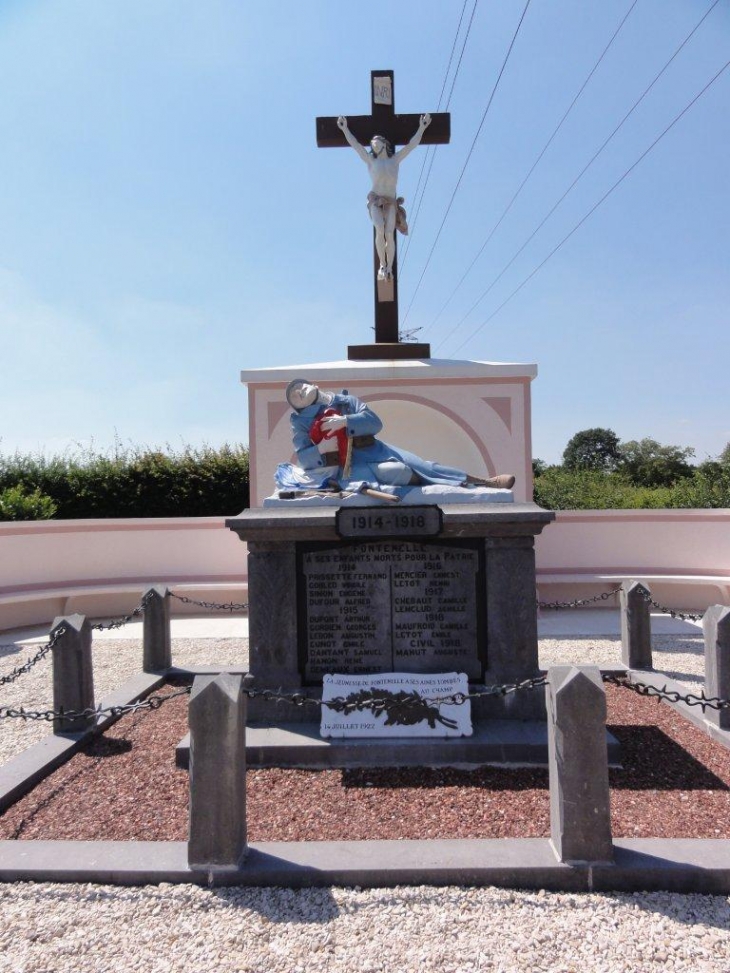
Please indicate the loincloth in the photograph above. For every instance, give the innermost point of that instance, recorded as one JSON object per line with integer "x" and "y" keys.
{"x": 384, "y": 203}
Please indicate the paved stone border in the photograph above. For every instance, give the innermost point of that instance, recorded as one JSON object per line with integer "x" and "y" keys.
{"x": 641, "y": 864}
{"x": 21, "y": 774}
{"x": 648, "y": 864}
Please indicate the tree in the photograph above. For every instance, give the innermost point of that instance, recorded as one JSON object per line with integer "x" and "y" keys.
{"x": 592, "y": 449}
{"x": 647, "y": 463}
{"x": 724, "y": 457}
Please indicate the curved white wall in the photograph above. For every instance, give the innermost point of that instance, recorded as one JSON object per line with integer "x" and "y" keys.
{"x": 100, "y": 567}
{"x": 692, "y": 547}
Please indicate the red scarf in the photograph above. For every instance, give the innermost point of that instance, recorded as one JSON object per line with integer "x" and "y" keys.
{"x": 317, "y": 434}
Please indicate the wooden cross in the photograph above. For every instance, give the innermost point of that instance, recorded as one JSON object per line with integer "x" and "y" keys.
{"x": 398, "y": 129}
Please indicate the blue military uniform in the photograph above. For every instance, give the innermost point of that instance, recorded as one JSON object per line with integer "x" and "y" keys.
{"x": 367, "y": 452}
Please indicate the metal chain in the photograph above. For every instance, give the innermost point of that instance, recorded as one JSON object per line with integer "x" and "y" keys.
{"x": 671, "y": 696}
{"x": 674, "y": 612}
{"x": 557, "y": 605}
{"x": 686, "y": 616}
{"x": 374, "y": 701}
{"x": 49, "y": 715}
{"x": 214, "y": 605}
{"x": 124, "y": 619}
{"x": 40, "y": 654}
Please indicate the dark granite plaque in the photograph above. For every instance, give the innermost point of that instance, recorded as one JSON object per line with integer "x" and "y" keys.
{"x": 364, "y": 522}
{"x": 391, "y": 606}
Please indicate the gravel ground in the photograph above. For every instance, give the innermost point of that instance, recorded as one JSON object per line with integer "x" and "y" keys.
{"x": 406, "y": 929}
{"x": 452, "y": 930}
{"x": 681, "y": 656}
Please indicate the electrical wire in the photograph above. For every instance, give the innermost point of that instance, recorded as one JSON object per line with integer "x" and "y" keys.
{"x": 596, "y": 205}
{"x": 468, "y": 157}
{"x": 431, "y": 151}
{"x": 443, "y": 88}
{"x": 533, "y": 167}
{"x": 580, "y": 175}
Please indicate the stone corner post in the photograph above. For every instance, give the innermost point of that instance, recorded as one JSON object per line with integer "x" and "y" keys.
{"x": 635, "y": 626}
{"x": 156, "y": 641}
{"x": 217, "y": 834}
{"x": 716, "y": 628}
{"x": 73, "y": 673}
{"x": 580, "y": 818}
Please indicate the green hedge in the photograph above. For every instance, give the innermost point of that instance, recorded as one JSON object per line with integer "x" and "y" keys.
{"x": 559, "y": 489}
{"x": 214, "y": 482}
{"x": 128, "y": 483}
{"x": 17, "y": 503}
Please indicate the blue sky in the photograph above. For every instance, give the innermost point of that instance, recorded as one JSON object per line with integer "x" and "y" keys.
{"x": 167, "y": 219}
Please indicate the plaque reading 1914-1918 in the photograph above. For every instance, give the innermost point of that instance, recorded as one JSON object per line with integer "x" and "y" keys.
{"x": 390, "y": 606}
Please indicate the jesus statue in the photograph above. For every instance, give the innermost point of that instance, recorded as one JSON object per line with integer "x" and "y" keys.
{"x": 384, "y": 205}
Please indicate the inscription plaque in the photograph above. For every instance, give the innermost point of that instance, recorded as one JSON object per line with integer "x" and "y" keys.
{"x": 391, "y": 606}
{"x": 413, "y": 521}
{"x": 434, "y": 719}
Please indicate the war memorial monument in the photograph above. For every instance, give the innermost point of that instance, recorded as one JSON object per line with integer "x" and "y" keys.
{"x": 368, "y": 558}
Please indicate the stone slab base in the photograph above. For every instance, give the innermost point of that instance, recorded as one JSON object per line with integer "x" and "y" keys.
{"x": 640, "y": 864}
{"x": 300, "y": 745}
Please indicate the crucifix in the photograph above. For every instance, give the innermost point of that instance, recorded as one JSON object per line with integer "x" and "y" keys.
{"x": 384, "y": 130}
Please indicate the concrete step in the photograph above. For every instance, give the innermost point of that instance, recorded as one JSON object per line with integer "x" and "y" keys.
{"x": 493, "y": 742}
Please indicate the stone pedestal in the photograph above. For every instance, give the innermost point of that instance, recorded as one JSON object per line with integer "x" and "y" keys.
{"x": 460, "y": 600}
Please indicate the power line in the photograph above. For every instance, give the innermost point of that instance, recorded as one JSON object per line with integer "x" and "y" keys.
{"x": 580, "y": 175}
{"x": 596, "y": 205}
{"x": 432, "y": 149}
{"x": 468, "y": 157}
{"x": 532, "y": 168}
{"x": 443, "y": 88}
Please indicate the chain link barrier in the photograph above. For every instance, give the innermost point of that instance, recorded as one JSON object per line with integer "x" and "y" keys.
{"x": 230, "y": 606}
{"x": 671, "y": 696}
{"x": 123, "y": 620}
{"x": 400, "y": 708}
{"x": 686, "y": 616}
{"x": 34, "y": 660}
{"x": 378, "y": 702}
{"x": 579, "y": 602}
{"x": 151, "y": 702}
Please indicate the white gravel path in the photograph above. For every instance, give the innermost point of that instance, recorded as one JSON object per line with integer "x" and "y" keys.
{"x": 64, "y": 929}
{"x": 50, "y": 928}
